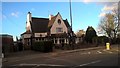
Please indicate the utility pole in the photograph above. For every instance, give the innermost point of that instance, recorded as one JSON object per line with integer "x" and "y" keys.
{"x": 70, "y": 14}
{"x": 71, "y": 31}
{"x": 119, "y": 15}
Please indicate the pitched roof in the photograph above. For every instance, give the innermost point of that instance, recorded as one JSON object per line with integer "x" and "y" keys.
{"x": 44, "y": 24}
{"x": 66, "y": 23}
{"x": 51, "y": 21}
{"x": 39, "y": 24}
{"x": 27, "y": 32}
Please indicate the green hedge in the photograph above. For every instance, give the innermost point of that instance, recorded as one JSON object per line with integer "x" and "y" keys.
{"x": 43, "y": 46}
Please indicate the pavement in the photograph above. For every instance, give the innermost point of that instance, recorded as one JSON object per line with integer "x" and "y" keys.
{"x": 55, "y": 52}
{"x": 96, "y": 56}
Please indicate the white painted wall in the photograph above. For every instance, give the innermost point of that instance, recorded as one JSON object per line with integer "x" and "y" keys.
{"x": 22, "y": 36}
{"x": 38, "y": 34}
{"x": 56, "y": 25}
{"x": 27, "y": 35}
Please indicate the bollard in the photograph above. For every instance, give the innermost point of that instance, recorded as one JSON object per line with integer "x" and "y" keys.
{"x": 107, "y": 46}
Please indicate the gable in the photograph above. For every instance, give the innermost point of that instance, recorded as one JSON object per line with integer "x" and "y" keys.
{"x": 51, "y": 22}
{"x": 57, "y": 25}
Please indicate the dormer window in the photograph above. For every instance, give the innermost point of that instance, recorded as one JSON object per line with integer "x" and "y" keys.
{"x": 59, "y": 21}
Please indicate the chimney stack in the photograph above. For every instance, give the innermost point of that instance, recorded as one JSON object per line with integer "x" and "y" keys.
{"x": 50, "y": 17}
{"x": 29, "y": 15}
{"x": 29, "y": 19}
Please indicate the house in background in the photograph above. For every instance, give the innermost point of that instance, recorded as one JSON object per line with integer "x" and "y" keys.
{"x": 6, "y": 43}
{"x": 80, "y": 36}
{"x": 43, "y": 29}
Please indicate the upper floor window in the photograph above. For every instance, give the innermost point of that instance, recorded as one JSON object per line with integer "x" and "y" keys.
{"x": 59, "y": 21}
{"x": 59, "y": 30}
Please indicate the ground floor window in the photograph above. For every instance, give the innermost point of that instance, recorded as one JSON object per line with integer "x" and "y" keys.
{"x": 55, "y": 41}
{"x": 40, "y": 39}
{"x": 61, "y": 40}
{"x": 28, "y": 41}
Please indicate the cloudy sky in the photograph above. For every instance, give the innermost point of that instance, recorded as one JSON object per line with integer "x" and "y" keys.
{"x": 85, "y": 13}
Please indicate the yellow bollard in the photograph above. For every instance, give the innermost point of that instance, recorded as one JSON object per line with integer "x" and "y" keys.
{"x": 107, "y": 46}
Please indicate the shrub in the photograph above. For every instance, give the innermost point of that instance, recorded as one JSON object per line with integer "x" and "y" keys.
{"x": 90, "y": 34}
{"x": 102, "y": 40}
{"x": 43, "y": 46}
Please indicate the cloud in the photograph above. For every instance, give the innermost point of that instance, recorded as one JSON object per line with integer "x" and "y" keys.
{"x": 101, "y": 1}
{"x": 15, "y": 14}
{"x": 102, "y": 14}
{"x": 108, "y": 8}
{"x": 86, "y": 1}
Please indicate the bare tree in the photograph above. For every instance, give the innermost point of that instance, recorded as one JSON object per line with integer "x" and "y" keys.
{"x": 109, "y": 24}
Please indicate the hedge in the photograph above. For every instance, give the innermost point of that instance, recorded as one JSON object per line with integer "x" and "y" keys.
{"x": 43, "y": 46}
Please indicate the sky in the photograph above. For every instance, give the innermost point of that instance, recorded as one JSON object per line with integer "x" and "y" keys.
{"x": 84, "y": 14}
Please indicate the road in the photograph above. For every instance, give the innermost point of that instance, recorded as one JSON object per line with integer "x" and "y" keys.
{"x": 93, "y": 57}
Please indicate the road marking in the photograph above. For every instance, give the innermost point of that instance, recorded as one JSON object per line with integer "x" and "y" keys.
{"x": 88, "y": 52}
{"x": 104, "y": 50}
{"x": 90, "y": 63}
{"x": 65, "y": 60}
{"x": 27, "y": 64}
{"x": 28, "y": 58}
{"x": 84, "y": 53}
{"x": 38, "y": 65}
{"x": 99, "y": 51}
{"x": 110, "y": 52}
{"x": 117, "y": 50}
{"x": 107, "y": 51}
{"x": 49, "y": 65}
